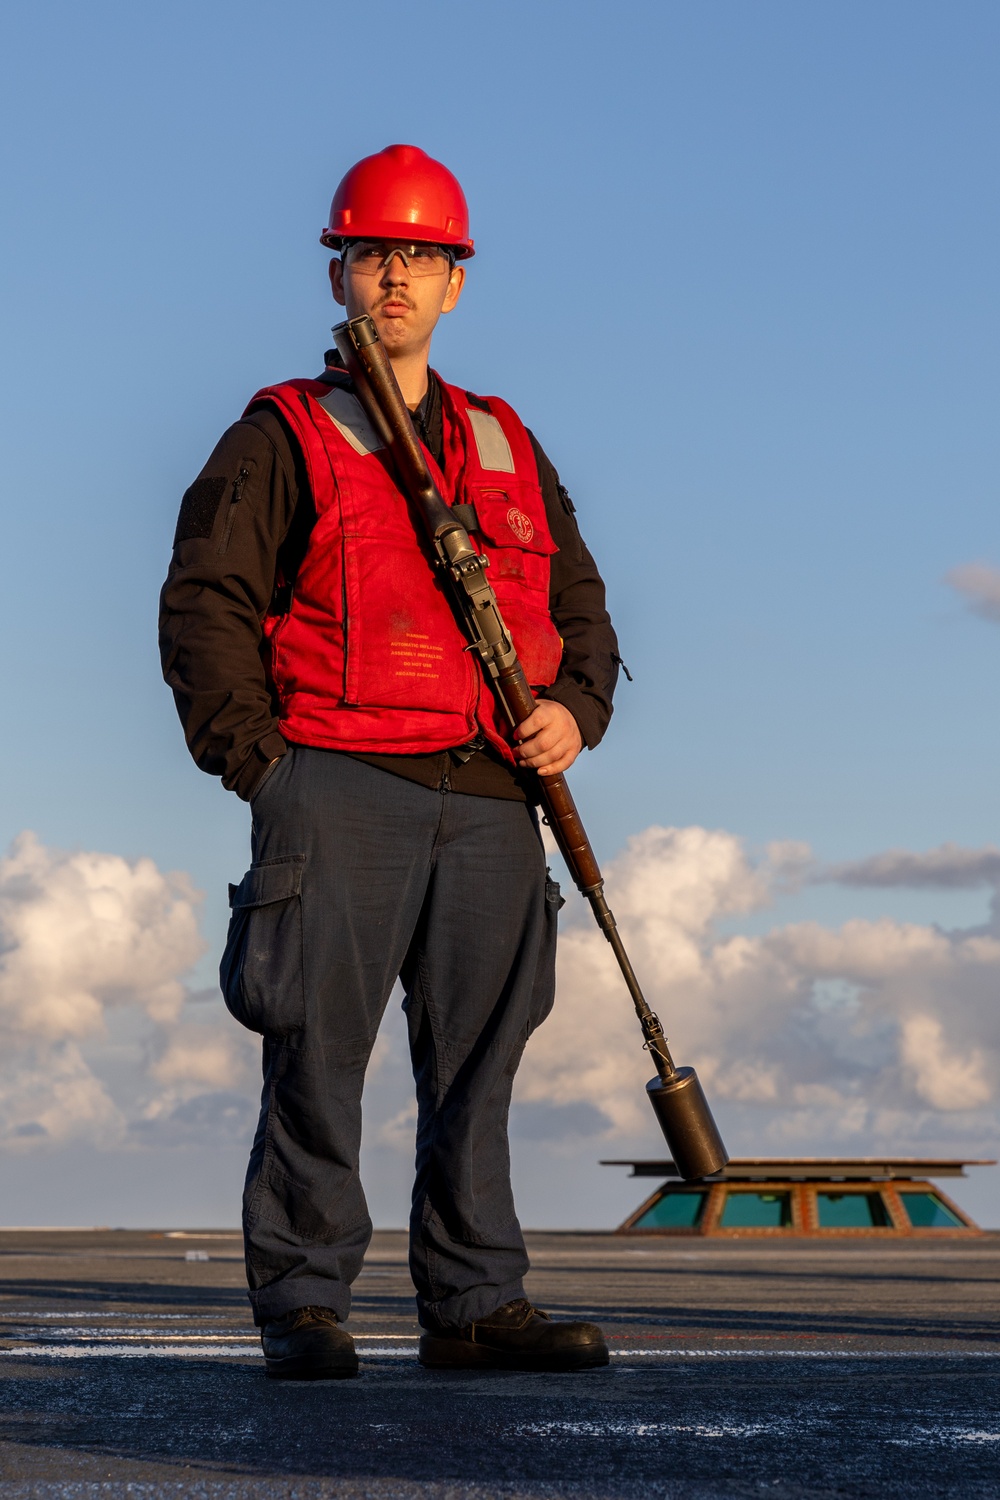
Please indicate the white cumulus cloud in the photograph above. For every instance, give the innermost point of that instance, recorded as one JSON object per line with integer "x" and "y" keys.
{"x": 871, "y": 1034}
{"x": 49, "y": 1095}
{"x": 81, "y": 932}
{"x": 95, "y": 1020}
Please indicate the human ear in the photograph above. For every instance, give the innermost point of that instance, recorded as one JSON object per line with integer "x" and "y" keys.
{"x": 337, "y": 282}
{"x": 455, "y": 283}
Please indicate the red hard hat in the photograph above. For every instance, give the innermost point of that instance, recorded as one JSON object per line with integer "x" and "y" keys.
{"x": 400, "y": 193}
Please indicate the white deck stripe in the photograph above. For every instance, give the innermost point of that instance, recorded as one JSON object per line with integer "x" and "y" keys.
{"x": 805, "y": 1353}
{"x": 85, "y": 1336}
{"x": 134, "y": 1351}
{"x": 194, "y": 1338}
{"x": 97, "y": 1335}
{"x": 204, "y": 1350}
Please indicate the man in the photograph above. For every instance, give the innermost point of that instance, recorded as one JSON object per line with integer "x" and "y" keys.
{"x": 318, "y": 669}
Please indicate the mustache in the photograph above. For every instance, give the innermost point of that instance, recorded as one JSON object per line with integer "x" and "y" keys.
{"x": 393, "y": 296}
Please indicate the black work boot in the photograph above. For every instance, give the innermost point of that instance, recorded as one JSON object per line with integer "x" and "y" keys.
{"x": 308, "y": 1344}
{"x": 515, "y": 1337}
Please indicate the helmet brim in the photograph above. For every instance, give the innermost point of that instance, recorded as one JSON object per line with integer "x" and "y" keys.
{"x": 420, "y": 233}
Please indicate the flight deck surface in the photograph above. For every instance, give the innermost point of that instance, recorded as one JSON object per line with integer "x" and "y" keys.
{"x": 129, "y": 1366}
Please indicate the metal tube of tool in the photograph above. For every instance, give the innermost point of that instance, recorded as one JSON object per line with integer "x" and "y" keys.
{"x": 676, "y": 1095}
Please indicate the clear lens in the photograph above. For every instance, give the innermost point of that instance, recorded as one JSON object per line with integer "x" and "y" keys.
{"x": 370, "y": 257}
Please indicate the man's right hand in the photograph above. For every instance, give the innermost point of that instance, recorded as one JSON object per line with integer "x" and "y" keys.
{"x": 549, "y": 739}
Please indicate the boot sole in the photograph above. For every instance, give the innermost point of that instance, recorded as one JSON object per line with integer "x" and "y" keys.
{"x": 456, "y": 1354}
{"x": 309, "y": 1369}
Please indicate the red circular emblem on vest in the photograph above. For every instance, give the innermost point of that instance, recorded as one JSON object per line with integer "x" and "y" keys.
{"x": 520, "y": 524}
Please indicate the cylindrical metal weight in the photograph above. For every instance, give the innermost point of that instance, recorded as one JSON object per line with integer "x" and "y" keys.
{"x": 686, "y": 1121}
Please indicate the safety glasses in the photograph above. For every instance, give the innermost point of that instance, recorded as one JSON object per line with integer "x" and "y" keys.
{"x": 370, "y": 257}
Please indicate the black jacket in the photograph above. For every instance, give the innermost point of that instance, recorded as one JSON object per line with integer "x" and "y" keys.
{"x": 249, "y": 513}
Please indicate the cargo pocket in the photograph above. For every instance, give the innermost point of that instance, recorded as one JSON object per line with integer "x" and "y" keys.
{"x": 261, "y": 970}
{"x": 544, "y": 989}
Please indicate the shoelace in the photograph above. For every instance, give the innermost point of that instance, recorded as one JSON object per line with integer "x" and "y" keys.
{"x": 304, "y": 1315}
{"x": 504, "y": 1316}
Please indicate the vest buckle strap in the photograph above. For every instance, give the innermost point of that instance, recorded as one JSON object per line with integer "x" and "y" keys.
{"x": 467, "y": 515}
{"x": 462, "y": 753}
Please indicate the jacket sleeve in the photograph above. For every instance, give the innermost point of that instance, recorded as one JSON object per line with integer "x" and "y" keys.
{"x": 589, "y": 670}
{"x": 234, "y": 521}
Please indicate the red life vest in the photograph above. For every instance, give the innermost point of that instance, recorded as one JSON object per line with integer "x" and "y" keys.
{"x": 369, "y": 656}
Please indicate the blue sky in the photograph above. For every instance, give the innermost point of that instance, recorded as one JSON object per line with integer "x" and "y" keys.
{"x": 737, "y": 269}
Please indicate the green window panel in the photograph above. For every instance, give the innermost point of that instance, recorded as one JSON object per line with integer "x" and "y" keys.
{"x": 675, "y": 1210}
{"x": 926, "y": 1211}
{"x": 756, "y": 1210}
{"x": 852, "y": 1211}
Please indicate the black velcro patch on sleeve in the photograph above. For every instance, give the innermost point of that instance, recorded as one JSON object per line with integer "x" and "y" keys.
{"x": 200, "y": 507}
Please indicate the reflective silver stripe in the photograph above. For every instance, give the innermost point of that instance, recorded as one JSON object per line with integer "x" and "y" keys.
{"x": 491, "y": 440}
{"x": 348, "y": 416}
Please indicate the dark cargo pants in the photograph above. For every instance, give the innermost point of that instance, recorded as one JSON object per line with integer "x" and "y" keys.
{"x": 358, "y": 877}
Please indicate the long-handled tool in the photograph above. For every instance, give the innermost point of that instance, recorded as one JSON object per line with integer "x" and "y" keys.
{"x": 675, "y": 1093}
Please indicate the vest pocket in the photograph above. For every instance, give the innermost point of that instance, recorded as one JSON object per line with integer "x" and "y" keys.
{"x": 514, "y": 525}
{"x": 404, "y": 648}
{"x": 518, "y": 543}
{"x": 261, "y": 971}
